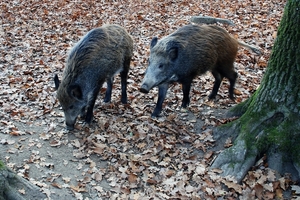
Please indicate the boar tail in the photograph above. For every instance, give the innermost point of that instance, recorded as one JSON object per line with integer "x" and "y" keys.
{"x": 253, "y": 48}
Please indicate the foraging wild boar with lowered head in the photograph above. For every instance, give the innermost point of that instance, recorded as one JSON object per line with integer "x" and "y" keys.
{"x": 191, "y": 51}
{"x": 96, "y": 58}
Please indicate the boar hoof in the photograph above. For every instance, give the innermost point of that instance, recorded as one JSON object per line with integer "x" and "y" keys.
{"x": 70, "y": 128}
{"x": 212, "y": 96}
{"x": 155, "y": 115}
{"x": 85, "y": 125}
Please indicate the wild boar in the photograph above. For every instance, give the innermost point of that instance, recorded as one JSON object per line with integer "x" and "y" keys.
{"x": 96, "y": 58}
{"x": 188, "y": 52}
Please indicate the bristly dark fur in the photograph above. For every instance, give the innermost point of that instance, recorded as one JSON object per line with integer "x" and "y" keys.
{"x": 96, "y": 58}
{"x": 188, "y": 52}
{"x": 104, "y": 43}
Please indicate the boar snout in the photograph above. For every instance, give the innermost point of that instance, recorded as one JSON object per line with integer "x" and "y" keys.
{"x": 145, "y": 88}
{"x": 70, "y": 127}
{"x": 70, "y": 124}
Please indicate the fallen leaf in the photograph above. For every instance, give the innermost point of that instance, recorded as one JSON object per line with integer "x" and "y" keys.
{"x": 132, "y": 178}
{"x": 54, "y": 184}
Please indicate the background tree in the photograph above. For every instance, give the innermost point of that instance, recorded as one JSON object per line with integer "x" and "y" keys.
{"x": 269, "y": 121}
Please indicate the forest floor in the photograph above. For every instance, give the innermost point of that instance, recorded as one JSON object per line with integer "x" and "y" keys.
{"x": 125, "y": 154}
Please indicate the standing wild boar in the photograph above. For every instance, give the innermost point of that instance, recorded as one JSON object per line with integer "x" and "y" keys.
{"x": 191, "y": 51}
{"x": 96, "y": 58}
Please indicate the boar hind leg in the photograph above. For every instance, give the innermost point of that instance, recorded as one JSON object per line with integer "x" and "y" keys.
{"x": 124, "y": 75}
{"x": 228, "y": 72}
{"x": 232, "y": 78}
{"x": 162, "y": 92}
{"x": 186, "y": 87}
{"x": 218, "y": 79}
{"x": 109, "y": 83}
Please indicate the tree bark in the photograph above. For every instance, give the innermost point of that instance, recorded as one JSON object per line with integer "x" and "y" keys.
{"x": 269, "y": 121}
{"x": 10, "y": 183}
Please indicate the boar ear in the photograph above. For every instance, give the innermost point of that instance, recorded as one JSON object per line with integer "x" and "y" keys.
{"x": 75, "y": 91}
{"x": 173, "y": 53}
{"x": 153, "y": 42}
{"x": 56, "y": 81}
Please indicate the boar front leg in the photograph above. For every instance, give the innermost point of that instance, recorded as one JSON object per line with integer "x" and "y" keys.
{"x": 89, "y": 114}
{"x": 82, "y": 113}
{"x": 162, "y": 92}
{"x": 90, "y": 106}
{"x": 124, "y": 76}
{"x": 109, "y": 83}
{"x": 186, "y": 87}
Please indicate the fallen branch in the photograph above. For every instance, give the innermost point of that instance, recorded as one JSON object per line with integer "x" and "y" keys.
{"x": 210, "y": 20}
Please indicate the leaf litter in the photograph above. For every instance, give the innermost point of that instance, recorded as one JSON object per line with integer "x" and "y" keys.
{"x": 125, "y": 154}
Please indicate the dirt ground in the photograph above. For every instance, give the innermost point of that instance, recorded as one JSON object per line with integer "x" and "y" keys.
{"x": 50, "y": 160}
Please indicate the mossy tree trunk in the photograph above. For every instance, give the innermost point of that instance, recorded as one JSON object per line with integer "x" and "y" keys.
{"x": 269, "y": 121}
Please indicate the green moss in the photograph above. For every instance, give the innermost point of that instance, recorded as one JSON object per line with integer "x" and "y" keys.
{"x": 231, "y": 165}
{"x": 288, "y": 137}
{"x": 2, "y": 166}
{"x": 276, "y": 129}
{"x": 256, "y": 127}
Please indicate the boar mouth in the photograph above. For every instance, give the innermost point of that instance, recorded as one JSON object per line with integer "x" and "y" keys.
{"x": 70, "y": 124}
{"x": 144, "y": 88}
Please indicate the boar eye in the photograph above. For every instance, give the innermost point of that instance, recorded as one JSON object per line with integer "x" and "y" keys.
{"x": 160, "y": 66}
{"x": 71, "y": 107}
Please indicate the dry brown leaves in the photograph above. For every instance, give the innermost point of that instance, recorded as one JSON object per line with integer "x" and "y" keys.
{"x": 125, "y": 154}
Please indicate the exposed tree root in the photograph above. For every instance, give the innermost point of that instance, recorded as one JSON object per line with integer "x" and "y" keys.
{"x": 256, "y": 134}
{"x": 236, "y": 161}
{"x": 11, "y": 183}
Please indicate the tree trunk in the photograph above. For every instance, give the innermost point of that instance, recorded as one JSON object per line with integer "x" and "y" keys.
{"x": 269, "y": 121}
{"x": 11, "y": 183}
